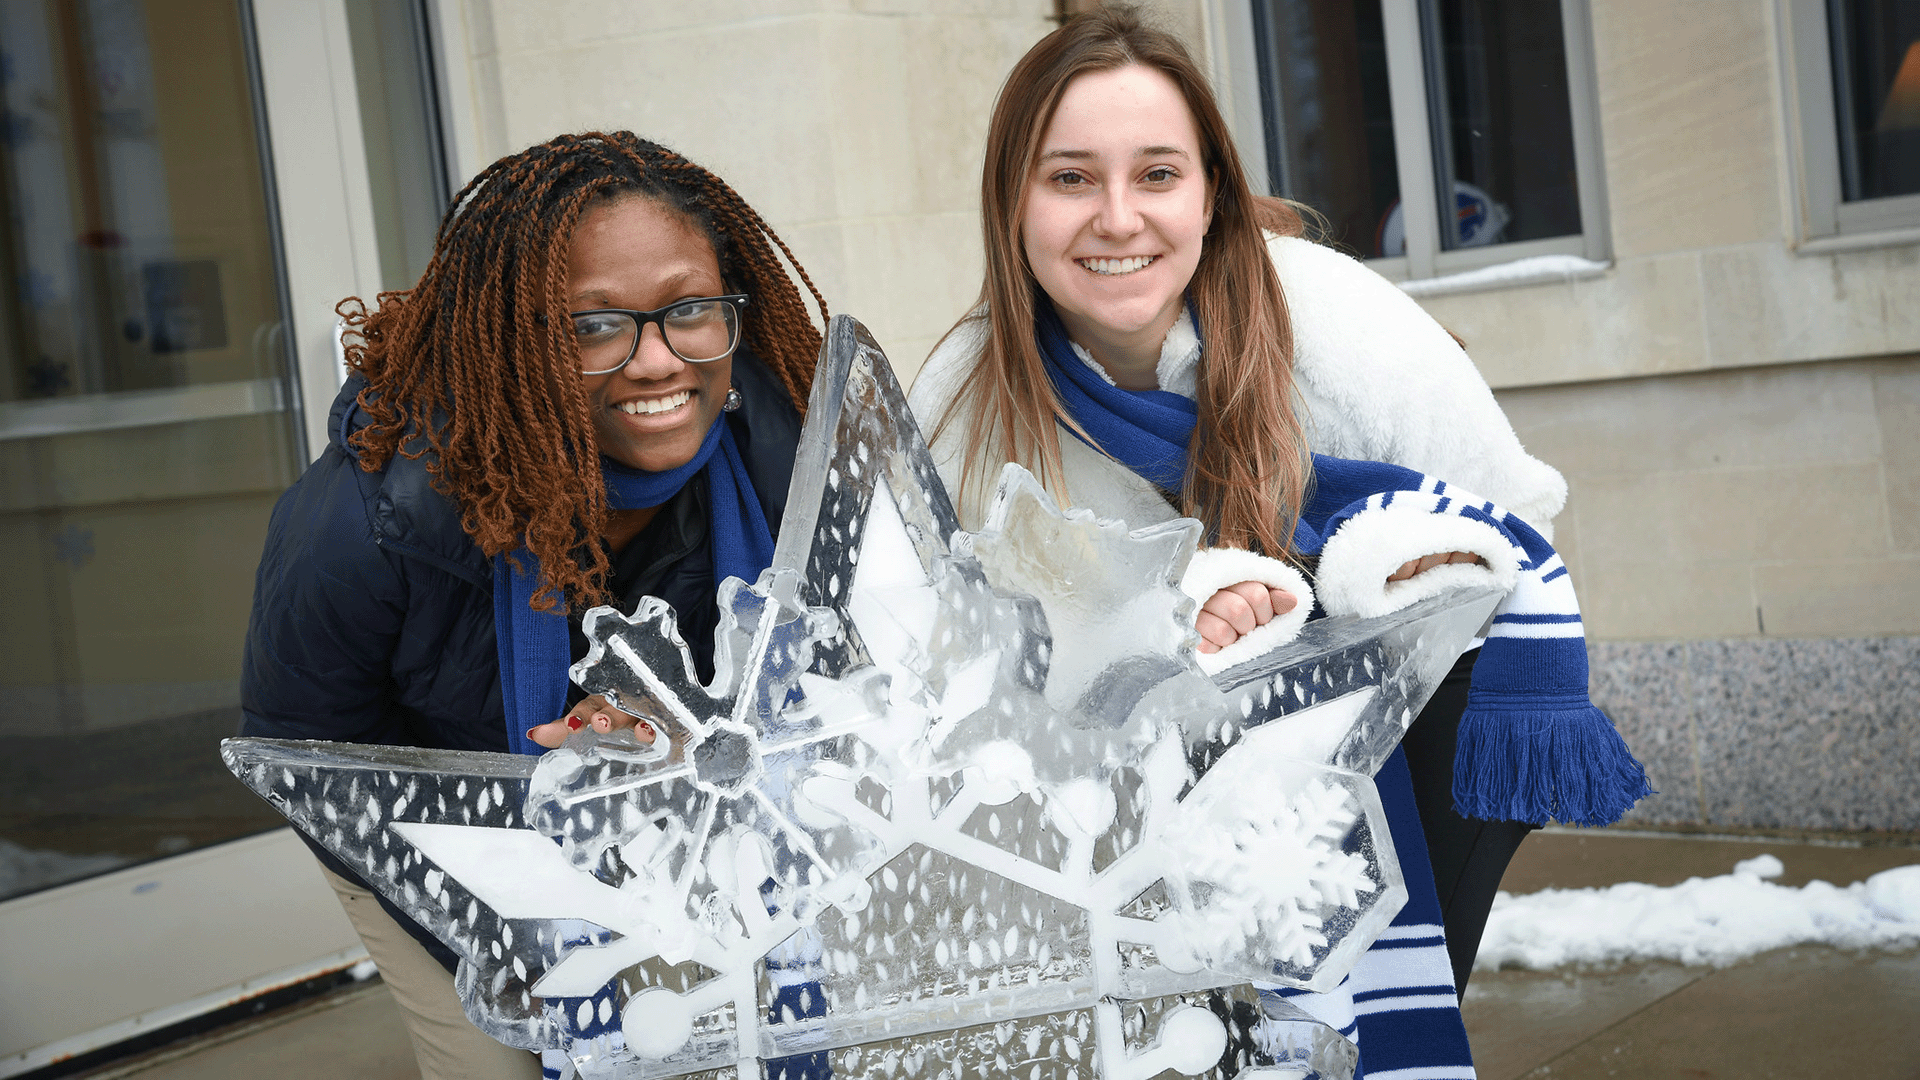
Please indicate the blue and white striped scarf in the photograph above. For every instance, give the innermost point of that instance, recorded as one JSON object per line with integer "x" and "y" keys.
{"x": 1398, "y": 1004}
{"x": 1531, "y": 746}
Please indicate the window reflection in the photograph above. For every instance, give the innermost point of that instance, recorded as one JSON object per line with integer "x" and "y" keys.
{"x": 145, "y": 420}
{"x": 1330, "y": 125}
{"x": 1876, "y": 83}
{"x": 146, "y": 427}
{"x": 135, "y": 203}
{"x": 1501, "y": 122}
{"x": 144, "y": 433}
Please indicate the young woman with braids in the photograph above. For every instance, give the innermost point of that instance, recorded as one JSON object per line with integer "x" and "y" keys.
{"x": 593, "y": 394}
{"x": 1153, "y": 340}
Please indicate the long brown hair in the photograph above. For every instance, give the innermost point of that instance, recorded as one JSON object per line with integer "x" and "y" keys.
{"x": 475, "y": 366}
{"x": 1247, "y": 465}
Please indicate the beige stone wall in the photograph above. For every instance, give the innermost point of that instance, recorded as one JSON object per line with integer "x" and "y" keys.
{"x": 854, "y": 126}
{"x": 1778, "y": 501}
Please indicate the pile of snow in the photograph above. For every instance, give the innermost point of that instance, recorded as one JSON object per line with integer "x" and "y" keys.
{"x": 1718, "y": 920}
{"x": 24, "y": 869}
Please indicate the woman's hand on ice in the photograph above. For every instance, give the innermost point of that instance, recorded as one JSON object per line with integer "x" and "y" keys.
{"x": 594, "y": 710}
{"x": 1235, "y": 610}
{"x": 1428, "y": 562}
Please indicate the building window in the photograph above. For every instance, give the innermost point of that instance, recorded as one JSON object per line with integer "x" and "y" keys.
{"x": 1856, "y": 67}
{"x": 1435, "y": 135}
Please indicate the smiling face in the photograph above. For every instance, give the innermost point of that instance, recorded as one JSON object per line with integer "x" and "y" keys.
{"x": 654, "y": 413}
{"x": 1117, "y": 209}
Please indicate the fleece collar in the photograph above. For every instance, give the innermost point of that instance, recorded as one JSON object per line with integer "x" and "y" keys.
{"x": 1176, "y": 371}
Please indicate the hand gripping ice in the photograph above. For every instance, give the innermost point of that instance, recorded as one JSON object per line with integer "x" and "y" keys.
{"x": 952, "y": 802}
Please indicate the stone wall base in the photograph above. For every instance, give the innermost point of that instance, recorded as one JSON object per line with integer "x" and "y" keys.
{"x": 1770, "y": 733}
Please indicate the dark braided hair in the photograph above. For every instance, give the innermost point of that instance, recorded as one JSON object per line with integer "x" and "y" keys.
{"x": 476, "y": 366}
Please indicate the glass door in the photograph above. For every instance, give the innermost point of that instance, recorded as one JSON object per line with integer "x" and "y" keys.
{"x": 186, "y": 189}
{"x": 145, "y": 430}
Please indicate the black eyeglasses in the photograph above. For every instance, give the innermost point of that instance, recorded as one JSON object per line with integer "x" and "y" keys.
{"x": 698, "y": 331}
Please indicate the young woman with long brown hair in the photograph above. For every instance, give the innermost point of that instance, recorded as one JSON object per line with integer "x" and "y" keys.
{"x": 1154, "y": 340}
{"x": 593, "y": 394}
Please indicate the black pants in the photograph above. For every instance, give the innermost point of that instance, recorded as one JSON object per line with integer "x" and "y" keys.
{"x": 1468, "y": 855}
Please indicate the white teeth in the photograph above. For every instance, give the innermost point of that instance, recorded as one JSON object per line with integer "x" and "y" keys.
{"x": 649, "y": 406}
{"x": 1118, "y": 266}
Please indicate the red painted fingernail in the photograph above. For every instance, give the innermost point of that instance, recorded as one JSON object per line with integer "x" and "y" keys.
{"x": 573, "y": 723}
{"x": 530, "y": 732}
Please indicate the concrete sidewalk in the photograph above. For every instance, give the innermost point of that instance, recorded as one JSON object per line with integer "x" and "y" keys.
{"x": 1793, "y": 1014}
{"x": 1809, "y": 1012}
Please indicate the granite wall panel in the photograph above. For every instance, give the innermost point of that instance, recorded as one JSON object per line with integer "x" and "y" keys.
{"x": 1643, "y": 687}
{"x": 1770, "y": 732}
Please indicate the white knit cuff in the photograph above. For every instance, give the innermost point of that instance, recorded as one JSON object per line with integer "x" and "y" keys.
{"x": 1213, "y": 569}
{"x": 1357, "y": 559}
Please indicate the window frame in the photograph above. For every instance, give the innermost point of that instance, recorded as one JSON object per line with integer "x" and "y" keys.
{"x": 1806, "y": 46}
{"x": 1407, "y": 80}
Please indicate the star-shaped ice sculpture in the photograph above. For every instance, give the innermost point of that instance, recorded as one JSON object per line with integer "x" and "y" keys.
{"x": 930, "y": 795}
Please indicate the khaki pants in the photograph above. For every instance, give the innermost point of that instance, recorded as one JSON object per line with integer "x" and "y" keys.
{"x": 445, "y": 1042}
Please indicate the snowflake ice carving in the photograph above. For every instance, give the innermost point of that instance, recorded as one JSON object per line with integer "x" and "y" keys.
{"x": 930, "y": 805}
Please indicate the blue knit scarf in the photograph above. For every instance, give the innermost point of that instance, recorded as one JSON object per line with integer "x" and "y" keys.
{"x": 534, "y": 652}
{"x": 1146, "y": 430}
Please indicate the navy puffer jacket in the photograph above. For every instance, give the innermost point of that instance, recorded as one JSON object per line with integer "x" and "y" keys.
{"x": 373, "y": 610}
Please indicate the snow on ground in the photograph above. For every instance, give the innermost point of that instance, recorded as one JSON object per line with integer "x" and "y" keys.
{"x": 24, "y": 869}
{"x": 1717, "y": 920}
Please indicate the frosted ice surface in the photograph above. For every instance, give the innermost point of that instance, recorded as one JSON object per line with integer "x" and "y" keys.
{"x": 951, "y": 802}
{"x": 1106, "y": 596}
{"x": 1298, "y": 1046}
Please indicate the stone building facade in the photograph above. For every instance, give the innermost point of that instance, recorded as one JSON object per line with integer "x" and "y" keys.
{"x": 1735, "y": 402}
{"x": 1678, "y": 241}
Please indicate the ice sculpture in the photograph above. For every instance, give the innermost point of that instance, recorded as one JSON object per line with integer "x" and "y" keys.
{"x": 933, "y": 815}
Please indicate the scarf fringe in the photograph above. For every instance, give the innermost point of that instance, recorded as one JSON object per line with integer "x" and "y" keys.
{"x": 1541, "y": 763}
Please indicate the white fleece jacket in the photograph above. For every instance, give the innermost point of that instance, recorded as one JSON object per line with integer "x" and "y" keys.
{"x": 1377, "y": 379}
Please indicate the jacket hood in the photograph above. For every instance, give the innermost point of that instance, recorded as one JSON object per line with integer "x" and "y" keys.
{"x": 407, "y": 514}
{"x": 345, "y": 417}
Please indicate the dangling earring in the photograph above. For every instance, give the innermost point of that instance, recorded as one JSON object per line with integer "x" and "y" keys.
{"x": 732, "y": 402}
